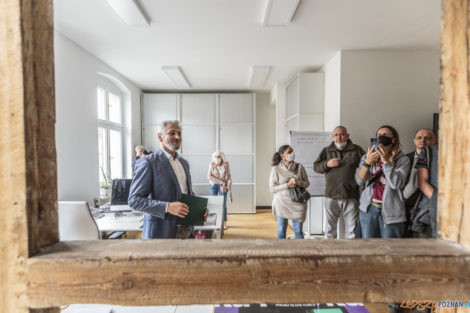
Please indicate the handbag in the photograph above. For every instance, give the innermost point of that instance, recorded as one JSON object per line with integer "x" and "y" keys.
{"x": 299, "y": 194}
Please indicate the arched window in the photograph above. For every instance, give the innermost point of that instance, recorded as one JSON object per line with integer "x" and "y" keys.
{"x": 110, "y": 129}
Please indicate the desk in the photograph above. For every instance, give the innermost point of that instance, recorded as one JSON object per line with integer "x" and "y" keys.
{"x": 125, "y": 221}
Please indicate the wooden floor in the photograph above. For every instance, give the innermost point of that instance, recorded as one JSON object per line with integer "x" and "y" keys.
{"x": 262, "y": 224}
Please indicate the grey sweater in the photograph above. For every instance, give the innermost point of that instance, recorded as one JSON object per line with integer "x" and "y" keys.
{"x": 393, "y": 204}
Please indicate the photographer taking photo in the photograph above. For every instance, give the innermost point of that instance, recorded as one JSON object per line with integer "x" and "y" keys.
{"x": 383, "y": 171}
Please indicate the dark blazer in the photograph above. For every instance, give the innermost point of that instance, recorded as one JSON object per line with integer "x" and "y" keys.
{"x": 154, "y": 185}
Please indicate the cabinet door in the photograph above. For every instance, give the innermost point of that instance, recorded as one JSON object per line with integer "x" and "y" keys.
{"x": 311, "y": 93}
{"x": 198, "y": 109}
{"x": 292, "y": 98}
{"x": 236, "y": 108}
{"x": 157, "y": 108}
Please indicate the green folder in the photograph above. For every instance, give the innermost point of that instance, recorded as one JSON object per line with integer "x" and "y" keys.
{"x": 197, "y": 207}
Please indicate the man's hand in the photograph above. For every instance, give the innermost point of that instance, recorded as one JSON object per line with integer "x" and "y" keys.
{"x": 333, "y": 163}
{"x": 178, "y": 209}
{"x": 205, "y": 215}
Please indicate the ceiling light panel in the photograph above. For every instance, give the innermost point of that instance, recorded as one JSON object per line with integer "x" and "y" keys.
{"x": 176, "y": 76}
{"x": 130, "y": 11}
{"x": 279, "y": 12}
{"x": 258, "y": 75}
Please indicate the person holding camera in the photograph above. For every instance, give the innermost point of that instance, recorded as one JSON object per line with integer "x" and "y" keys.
{"x": 338, "y": 162}
{"x": 286, "y": 174}
{"x": 383, "y": 171}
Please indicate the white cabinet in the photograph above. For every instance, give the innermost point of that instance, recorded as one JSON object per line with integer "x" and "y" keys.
{"x": 304, "y": 111}
{"x": 305, "y": 102}
{"x": 210, "y": 121}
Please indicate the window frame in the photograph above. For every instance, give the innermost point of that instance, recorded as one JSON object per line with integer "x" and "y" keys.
{"x": 108, "y": 125}
{"x": 31, "y": 206}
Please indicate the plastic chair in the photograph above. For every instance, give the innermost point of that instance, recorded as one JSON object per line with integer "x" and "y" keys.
{"x": 76, "y": 222}
{"x": 215, "y": 205}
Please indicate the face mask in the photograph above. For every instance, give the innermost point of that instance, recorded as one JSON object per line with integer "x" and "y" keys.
{"x": 291, "y": 157}
{"x": 384, "y": 140}
{"x": 217, "y": 160}
{"x": 340, "y": 145}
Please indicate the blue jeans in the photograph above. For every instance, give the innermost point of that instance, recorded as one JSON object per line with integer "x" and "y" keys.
{"x": 215, "y": 191}
{"x": 372, "y": 224}
{"x": 282, "y": 227}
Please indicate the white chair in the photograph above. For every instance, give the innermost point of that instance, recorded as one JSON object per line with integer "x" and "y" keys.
{"x": 215, "y": 204}
{"x": 76, "y": 222}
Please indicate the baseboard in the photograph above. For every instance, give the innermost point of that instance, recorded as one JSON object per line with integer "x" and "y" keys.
{"x": 261, "y": 207}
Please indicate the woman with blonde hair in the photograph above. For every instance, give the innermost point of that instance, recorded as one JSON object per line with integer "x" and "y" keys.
{"x": 383, "y": 171}
{"x": 220, "y": 178}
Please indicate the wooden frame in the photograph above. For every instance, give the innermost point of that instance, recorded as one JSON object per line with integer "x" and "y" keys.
{"x": 37, "y": 272}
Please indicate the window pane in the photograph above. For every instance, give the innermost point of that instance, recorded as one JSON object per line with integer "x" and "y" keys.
{"x": 114, "y": 108}
{"x": 101, "y": 103}
{"x": 115, "y": 147}
{"x": 102, "y": 153}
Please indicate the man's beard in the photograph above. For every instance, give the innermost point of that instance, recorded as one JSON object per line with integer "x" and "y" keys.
{"x": 171, "y": 147}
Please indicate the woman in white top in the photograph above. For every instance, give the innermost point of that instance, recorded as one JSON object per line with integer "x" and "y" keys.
{"x": 220, "y": 178}
{"x": 286, "y": 174}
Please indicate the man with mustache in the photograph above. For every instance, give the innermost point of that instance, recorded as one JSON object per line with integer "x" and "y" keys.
{"x": 159, "y": 180}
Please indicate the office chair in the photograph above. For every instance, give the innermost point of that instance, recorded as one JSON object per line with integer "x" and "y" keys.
{"x": 76, "y": 222}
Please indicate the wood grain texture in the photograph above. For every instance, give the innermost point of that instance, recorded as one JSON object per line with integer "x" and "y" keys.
{"x": 39, "y": 123}
{"x": 134, "y": 272}
{"x": 29, "y": 194}
{"x": 13, "y": 202}
{"x": 48, "y": 310}
{"x": 454, "y": 140}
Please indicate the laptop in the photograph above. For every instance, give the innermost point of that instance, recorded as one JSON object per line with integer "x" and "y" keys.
{"x": 119, "y": 195}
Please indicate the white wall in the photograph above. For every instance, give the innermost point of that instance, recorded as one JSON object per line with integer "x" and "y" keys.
{"x": 265, "y": 147}
{"x": 279, "y": 98}
{"x": 400, "y": 88}
{"x": 76, "y": 74}
{"x": 332, "y": 70}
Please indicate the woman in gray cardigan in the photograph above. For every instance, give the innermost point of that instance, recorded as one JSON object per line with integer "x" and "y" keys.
{"x": 284, "y": 176}
{"x": 383, "y": 171}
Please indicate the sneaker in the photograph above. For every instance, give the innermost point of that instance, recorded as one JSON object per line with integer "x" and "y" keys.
{"x": 225, "y": 226}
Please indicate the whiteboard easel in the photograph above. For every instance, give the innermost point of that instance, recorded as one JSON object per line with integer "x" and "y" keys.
{"x": 307, "y": 146}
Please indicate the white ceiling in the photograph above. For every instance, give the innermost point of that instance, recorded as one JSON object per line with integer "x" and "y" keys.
{"x": 215, "y": 42}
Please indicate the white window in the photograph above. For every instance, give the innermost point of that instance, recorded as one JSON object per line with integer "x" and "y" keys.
{"x": 110, "y": 130}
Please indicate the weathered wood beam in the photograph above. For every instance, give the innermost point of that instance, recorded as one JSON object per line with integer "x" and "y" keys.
{"x": 454, "y": 124}
{"x": 135, "y": 272}
{"x": 27, "y": 154}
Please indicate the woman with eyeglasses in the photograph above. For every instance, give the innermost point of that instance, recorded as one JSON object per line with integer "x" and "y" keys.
{"x": 383, "y": 172}
{"x": 286, "y": 174}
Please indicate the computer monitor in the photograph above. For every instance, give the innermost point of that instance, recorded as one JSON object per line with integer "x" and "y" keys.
{"x": 120, "y": 191}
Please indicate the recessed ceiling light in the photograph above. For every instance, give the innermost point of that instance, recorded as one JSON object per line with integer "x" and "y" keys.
{"x": 279, "y": 12}
{"x": 258, "y": 75}
{"x": 176, "y": 76}
{"x": 130, "y": 11}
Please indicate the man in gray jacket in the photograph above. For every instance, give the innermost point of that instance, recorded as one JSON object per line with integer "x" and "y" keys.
{"x": 338, "y": 162}
{"x": 157, "y": 185}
